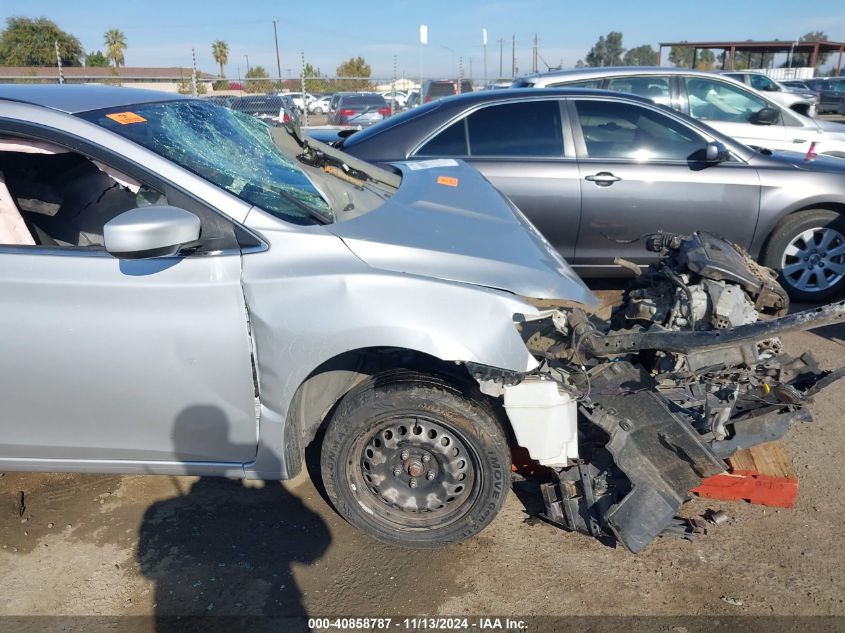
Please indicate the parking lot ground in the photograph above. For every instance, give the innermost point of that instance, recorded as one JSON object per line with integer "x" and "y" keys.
{"x": 132, "y": 545}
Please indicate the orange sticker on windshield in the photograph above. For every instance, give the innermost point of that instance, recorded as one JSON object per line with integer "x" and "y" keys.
{"x": 125, "y": 118}
{"x": 449, "y": 181}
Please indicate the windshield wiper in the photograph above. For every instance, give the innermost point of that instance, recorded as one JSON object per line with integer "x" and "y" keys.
{"x": 312, "y": 213}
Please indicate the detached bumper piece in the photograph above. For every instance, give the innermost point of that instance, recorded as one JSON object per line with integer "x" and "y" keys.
{"x": 655, "y": 459}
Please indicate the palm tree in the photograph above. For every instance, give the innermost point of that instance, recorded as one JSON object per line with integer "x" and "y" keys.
{"x": 115, "y": 42}
{"x": 220, "y": 51}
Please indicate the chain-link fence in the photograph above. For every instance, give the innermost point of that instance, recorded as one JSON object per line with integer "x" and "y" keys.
{"x": 311, "y": 100}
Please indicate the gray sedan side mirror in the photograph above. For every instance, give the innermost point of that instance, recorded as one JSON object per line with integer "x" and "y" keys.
{"x": 146, "y": 232}
{"x": 715, "y": 152}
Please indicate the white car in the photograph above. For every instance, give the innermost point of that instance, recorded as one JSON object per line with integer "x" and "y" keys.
{"x": 803, "y": 102}
{"x": 298, "y": 100}
{"x": 729, "y": 106}
{"x": 319, "y": 106}
{"x": 400, "y": 98}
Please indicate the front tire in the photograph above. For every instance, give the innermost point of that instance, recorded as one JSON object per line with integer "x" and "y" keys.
{"x": 808, "y": 251}
{"x": 412, "y": 461}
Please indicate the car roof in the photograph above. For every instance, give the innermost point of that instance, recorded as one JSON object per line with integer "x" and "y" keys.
{"x": 507, "y": 94}
{"x": 616, "y": 71}
{"x": 75, "y": 98}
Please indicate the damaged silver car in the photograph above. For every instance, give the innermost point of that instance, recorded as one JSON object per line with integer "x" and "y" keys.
{"x": 188, "y": 291}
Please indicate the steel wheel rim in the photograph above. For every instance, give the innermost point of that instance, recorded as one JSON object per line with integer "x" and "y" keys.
{"x": 814, "y": 260}
{"x": 444, "y": 467}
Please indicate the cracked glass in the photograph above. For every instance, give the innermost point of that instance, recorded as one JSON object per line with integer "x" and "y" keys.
{"x": 231, "y": 149}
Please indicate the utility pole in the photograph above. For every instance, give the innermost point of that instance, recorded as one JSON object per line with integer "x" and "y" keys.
{"x": 513, "y": 56}
{"x": 501, "y": 45}
{"x": 193, "y": 73}
{"x": 247, "y": 64}
{"x": 484, "y": 41}
{"x": 59, "y": 62}
{"x": 393, "y": 87}
{"x": 278, "y": 61}
{"x": 460, "y": 74}
{"x": 534, "y": 56}
{"x": 304, "y": 101}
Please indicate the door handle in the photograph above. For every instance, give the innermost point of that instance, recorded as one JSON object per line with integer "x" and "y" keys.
{"x": 799, "y": 140}
{"x": 603, "y": 178}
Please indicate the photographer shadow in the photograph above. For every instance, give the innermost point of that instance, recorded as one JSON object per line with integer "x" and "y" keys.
{"x": 221, "y": 553}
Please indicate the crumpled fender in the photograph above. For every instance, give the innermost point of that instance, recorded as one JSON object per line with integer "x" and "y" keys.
{"x": 311, "y": 299}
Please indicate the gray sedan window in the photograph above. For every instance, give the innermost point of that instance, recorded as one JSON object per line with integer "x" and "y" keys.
{"x": 614, "y": 129}
{"x": 527, "y": 128}
{"x": 450, "y": 142}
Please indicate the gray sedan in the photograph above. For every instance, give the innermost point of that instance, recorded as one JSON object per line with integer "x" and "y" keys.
{"x": 595, "y": 171}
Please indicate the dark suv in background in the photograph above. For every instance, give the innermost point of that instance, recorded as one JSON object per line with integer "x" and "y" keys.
{"x": 434, "y": 89}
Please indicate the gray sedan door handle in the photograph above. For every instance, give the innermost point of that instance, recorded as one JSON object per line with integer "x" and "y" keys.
{"x": 603, "y": 178}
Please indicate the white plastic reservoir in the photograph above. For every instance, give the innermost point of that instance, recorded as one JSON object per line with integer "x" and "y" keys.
{"x": 544, "y": 420}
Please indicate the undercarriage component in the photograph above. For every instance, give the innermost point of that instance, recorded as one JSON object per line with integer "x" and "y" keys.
{"x": 684, "y": 374}
{"x": 659, "y": 453}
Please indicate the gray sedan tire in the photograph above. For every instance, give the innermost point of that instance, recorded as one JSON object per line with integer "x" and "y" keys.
{"x": 807, "y": 249}
{"x": 413, "y": 461}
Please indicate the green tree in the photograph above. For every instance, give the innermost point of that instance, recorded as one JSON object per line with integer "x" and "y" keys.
{"x": 706, "y": 60}
{"x": 220, "y": 51}
{"x": 257, "y": 80}
{"x": 353, "y": 67}
{"x": 682, "y": 56}
{"x": 643, "y": 55}
{"x": 314, "y": 79}
{"x": 115, "y": 42}
{"x": 96, "y": 60}
{"x": 32, "y": 42}
{"x": 812, "y": 36}
{"x": 607, "y": 51}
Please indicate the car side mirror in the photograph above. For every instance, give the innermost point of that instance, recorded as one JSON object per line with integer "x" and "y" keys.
{"x": 766, "y": 116}
{"x": 773, "y": 88}
{"x": 147, "y": 232}
{"x": 715, "y": 152}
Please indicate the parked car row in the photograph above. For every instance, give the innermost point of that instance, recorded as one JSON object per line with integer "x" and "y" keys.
{"x": 830, "y": 92}
{"x": 272, "y": 109}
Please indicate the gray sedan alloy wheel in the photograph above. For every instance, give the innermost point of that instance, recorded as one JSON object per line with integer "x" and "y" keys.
{"x": 815, "y": 259}
{"x": 808, "y": 249}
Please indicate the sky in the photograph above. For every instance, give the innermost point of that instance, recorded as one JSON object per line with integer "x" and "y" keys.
{"x": 162, "y": 33}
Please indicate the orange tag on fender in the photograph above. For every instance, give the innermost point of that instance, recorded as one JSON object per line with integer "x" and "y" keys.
{"x": 125, "y": 118}
{"x": 449, "y": 181}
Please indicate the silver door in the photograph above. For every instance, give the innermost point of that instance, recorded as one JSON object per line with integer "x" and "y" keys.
{"x": 104, "y": 359}
{"x": 642, "y": 172}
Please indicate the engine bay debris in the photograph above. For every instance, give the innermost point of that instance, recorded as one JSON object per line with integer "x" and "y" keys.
{"x": 688, "y": 369}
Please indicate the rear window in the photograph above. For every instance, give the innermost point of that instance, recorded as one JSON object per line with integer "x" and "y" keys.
{"x": 362, "y": 100}
{"x": 441, "y": 89}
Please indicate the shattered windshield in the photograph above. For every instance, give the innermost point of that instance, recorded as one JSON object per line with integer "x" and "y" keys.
{"x": 231, "y": 149}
